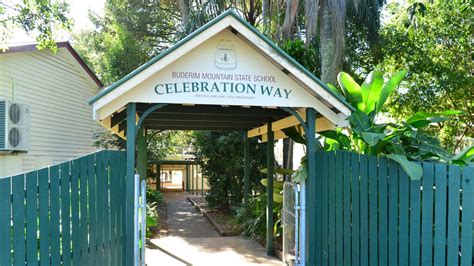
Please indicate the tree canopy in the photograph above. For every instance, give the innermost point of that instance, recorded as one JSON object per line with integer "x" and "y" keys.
{"x": 39, "y": 18}
{"x": 434, "y": 43}
{"x": 325, "y": 36}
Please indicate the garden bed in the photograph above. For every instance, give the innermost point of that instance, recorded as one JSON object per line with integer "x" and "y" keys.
{"x": 222, "y": 222}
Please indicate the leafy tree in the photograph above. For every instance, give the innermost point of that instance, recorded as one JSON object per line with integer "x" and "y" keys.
{"x": 36, "y": 17}
{"x": 128, "y": 34}
{"x": 162, "y": 143}
{"x": 433, "y": 41}
{"x": 221, "y": 158}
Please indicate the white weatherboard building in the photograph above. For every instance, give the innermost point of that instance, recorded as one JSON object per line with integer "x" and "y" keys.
{"x": 46, "y": 94}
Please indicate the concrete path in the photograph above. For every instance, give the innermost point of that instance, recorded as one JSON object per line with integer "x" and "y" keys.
{"x": 191, "y": 240}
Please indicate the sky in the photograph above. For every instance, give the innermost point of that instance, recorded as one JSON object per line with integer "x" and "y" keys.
{"x": 79, "y": 10}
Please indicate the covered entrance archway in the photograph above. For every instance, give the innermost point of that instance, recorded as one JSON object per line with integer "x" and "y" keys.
{"x": 224, "y": 76}
{"x": 176, "y": 175}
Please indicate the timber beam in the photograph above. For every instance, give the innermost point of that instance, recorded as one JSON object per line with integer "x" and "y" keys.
{"x": 322, "y": 124}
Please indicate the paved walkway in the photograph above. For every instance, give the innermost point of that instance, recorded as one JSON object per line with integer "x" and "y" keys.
{"x": 191, "y": 240}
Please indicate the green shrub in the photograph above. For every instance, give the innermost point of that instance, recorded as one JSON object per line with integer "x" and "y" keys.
{"x": 154, "y": 195}
{"x": 221, "y": 157}
{"x": 151, "y": 218}
{"x": 251, "y": 217}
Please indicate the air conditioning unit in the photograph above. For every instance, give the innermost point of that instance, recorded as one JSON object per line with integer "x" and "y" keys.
{"x": 14, "y": 126}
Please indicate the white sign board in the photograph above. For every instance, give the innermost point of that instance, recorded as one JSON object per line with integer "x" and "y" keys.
{"x": 224, "y": 70}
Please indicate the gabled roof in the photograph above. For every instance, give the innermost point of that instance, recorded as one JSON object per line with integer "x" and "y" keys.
{"x": 196, "y": 33}
{"x": 67, "y": 46}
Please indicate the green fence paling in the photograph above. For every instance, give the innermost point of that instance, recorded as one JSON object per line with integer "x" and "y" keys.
{"x": 69, "y": 214}
{"x": 370, "y": 213}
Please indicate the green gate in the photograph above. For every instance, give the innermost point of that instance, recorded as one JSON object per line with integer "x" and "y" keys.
{"x": 69, "y": 214}
{"x": 370, "y": 213}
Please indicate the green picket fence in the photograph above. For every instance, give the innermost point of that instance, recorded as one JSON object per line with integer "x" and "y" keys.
{"x": 69, "y": 214}
{"x": 372, "y": 214}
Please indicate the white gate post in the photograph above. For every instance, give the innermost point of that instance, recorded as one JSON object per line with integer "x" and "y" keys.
{"x": 136, "y": 241}
{"x": 143, "y": 219}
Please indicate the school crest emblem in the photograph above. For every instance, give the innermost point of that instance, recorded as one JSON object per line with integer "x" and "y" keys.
{"x": 225, "y": 57}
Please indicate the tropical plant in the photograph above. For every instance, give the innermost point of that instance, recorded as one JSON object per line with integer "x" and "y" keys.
{"x": 402, "y": 143}
{"x": 251, "y": 217}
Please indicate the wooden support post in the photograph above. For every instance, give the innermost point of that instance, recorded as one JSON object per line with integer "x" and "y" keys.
{"x": 142, "y": 162}
{"x": 246, "y": 168}
{"x": 128, "y": 256}
{"x": 270, "y": 165}
{"x": 202, "y": 183}
{"x": 158, "y": 177}
{"x": 197, "y": 179}
{"x": 191, "y": 174}
{"x": 187, "y": 177}
{"x": 311, "y": 214}
{"x": 194, "y": 179}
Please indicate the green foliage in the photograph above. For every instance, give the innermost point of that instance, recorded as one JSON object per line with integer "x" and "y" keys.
{"x": 221, "y": 158}
{"x": 412, "y": 169}
{"x": 465, "y": 157}
{"x": 151, "y": 218}
{"x": 160, "y": 143}
{"x": 306, "y": 56}
{"x": 372, "y": 94}
{"x": 433, "y": 41}
{"x": 153, "y": 196}
{"x": 105, "y": 139}
{"x": 400, "y": 142}
{"x": 128, "y": 34}
{"x": 277, "y": 189}
{"x": 167, "y": 142}
{"x": 302, "y": 172}
{"x": 251, "y": 217}
{"x": 40, "y": 18}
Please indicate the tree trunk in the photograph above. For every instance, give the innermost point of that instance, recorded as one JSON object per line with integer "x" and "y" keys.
{"x": 331, "y": 38}
{"x": 288, "y": 156}
{"x": 290, "y": 15}
{"x": 311, "y": 14}
{"x": 266, "y": 15}
{"x": 183, "y": 6}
